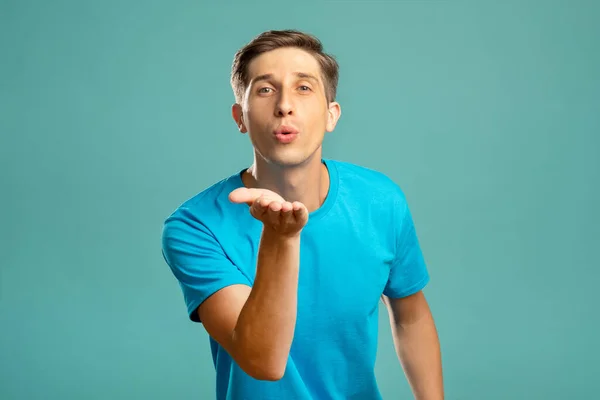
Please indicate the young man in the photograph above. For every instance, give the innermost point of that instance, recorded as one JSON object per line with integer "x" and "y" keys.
{"x": 285, "y": 262}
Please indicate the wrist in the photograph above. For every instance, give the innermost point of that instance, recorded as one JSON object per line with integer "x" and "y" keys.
{"x": 274, "y": 237}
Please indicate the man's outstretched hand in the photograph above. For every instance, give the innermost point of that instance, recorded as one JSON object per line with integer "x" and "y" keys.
{"x": 283, "y": 217}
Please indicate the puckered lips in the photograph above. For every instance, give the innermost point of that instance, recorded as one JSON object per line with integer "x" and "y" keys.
{"x": 286, "y": 134}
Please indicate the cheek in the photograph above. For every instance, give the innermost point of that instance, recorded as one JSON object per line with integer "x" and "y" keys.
{"x": 256, "y": 118}
{"x": 319, "y": 119}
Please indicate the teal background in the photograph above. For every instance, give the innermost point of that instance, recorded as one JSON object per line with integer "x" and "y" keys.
{"x": 113, "y": 113}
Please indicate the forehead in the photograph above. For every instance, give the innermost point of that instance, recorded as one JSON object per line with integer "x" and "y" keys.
{"x": 283, "y": 61}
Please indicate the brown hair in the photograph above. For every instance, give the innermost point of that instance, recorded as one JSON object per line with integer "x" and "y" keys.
{"x": 271, "y": 40}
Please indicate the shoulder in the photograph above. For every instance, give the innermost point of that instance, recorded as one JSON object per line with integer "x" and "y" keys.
{"x": 202, "y": 210}
{"x": 372, "y": 183}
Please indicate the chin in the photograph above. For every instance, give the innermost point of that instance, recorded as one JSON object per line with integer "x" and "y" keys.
{"x": 288, "y": 158}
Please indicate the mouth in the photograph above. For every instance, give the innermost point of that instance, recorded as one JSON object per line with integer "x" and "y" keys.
{"x": 286, "y": 134}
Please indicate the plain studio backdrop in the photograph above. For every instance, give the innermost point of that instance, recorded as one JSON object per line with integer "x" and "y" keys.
{"x": 113, "y": 113}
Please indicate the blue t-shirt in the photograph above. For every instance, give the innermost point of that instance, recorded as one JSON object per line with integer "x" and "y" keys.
{"x": 360, "y": 244}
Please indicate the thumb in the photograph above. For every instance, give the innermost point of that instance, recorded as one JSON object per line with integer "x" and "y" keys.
{"x": 244, "y": 195}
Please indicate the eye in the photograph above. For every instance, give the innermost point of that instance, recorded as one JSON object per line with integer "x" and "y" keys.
{"x": 264, "y": 90}
{"x": 304, "y": 88}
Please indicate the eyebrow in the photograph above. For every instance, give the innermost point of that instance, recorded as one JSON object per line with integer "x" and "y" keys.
{"x": 304, "y": 75}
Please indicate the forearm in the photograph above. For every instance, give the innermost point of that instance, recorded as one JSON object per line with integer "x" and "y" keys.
{"x": 265, "y": 327}
{"x": 418, "y": 349}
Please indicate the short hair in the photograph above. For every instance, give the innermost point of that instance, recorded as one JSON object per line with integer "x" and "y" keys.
{"x": 275, "y": 39}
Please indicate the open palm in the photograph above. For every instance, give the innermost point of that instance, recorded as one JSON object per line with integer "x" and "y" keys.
{"x": 284, "y": 217}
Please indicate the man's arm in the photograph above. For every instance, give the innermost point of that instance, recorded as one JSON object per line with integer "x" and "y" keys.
{"x": 417, "y": 344}
{"x": 256, "y": 325}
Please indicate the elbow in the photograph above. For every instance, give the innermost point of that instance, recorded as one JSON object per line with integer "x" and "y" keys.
{"x": 267, "y": 374}
{"x": 264, "y": 369}
{"x": 264, "y": 363}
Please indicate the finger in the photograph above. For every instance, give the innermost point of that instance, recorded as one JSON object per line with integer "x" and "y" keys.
{"x": 287, "y": 208}
{"x": 273, "y": 211}
{"x": 275, "y": 207}
{"x": 287, "y": 212}
{"x": 300, "y": 211}
{"x": 259, "y": 206}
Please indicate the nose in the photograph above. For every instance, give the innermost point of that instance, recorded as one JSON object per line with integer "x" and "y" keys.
{"x": 284, "y": 105}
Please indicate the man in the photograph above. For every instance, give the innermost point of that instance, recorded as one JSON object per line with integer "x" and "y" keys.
{"x": 285, "y": 262}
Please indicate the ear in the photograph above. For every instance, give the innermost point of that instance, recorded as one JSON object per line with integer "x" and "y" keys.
{"x": 238, "y": 117}
{"x": 334, "y": 113}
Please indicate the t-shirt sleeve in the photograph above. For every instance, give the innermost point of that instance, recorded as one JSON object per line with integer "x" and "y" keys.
{"x": 408, "y": 273}
{"x": 197, "y": 260}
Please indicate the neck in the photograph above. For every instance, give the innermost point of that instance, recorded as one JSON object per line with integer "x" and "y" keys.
{"x": 307, "y": 183}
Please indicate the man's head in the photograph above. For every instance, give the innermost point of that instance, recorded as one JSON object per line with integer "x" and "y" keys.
{"x": 284, "y": 79}
{"x": 272, "y": 40}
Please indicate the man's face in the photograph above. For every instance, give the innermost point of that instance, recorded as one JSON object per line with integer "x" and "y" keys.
{"x": 286, "y": 89}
